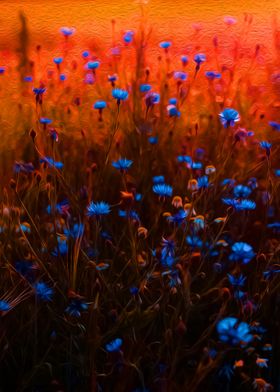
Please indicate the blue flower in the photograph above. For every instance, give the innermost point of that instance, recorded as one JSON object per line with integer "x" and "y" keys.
{"x": 28, "y": 78}
{"x": 163, "y": 190}
{"x": 62, "y": 77}
{"x": 145, "y": 87}
{"x": 236, "y": 281}
{"x": 266, "y": 146}
{"x": 128, "y": 36}
{"x": 165, "y": 44}
{"x": 241, "y": 251}
{"x": 274, "y": 125}
{"x": 184, "y": 158}
{"x": 4, "y": 306}
{"x": 85, "y": 53}
{"x": 194, "y": 241}
{"x": 51, "y": 162}
{"x": 114, "y": 346}
{"x": 152, "y": 98}
{"x": 129, "y": 214}
{"x": 184, "y": 59}
{"x": 153, "y": 140}
{"x": 98, "y": 209}
{"x": 76, "y": 306}
{"x": 119, "y": 94}
{"x": 158, "y": 180}
{"x": 122, "y": 164}
{"x": 61, "y": 207}
{"x": 229, "y": 117}
{"x": 100, "y": 105}
{"x": 173, "y": 111}
{"x": 76, "y": 231}
{"x": 234, "y": 332}
{"x": 57, "y": 60}
{"x": 62, "y": 247}
{"x": 180, "y": 75}
{"x": 203, "y": 182}
{"x": 2, "y": 70}
{"x": 199, "y": 58}
{"x": 240, "y": 204}
{"x": 211, "y": 75}
{"x": 43, "y": 291}
{"x": 241, "y": 191}
{"x": 93, "y": 64}
{"x": 44, "y": 120}
{"x": 173, "y": 101}
{"x": 179, "y": 217}
{"x": 67, "y": 31}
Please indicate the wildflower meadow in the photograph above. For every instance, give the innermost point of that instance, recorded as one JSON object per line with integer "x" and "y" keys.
{"x": 140, "y": 210}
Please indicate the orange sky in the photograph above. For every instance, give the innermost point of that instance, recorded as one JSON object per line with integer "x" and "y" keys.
{"x": 92, "y": 17}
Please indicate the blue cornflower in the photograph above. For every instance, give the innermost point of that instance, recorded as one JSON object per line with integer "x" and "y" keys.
{"x": 62, "y": 77}
{"x": 85, "y": 53}
{"x": 241, "y": 191}
{"x": 234, "y": 332}
{"x": 145, "y": 88}
{"x": 274, "y": 125}
{"x": 194, "y": 241}
{"x": 76, "y": 231}
{"x": 228, "y": 182}
{"x": 196, "y": 165}
{"x": 240, "y": 204}
{"x": 122, "y": 164}
{"x": 100, "y": 105}
{"x": 180, "y": 75}
{"x": 236, "y": 281}
{"x": 165, "y": 44}
{"x": 266, "y": 146}
{"x": 67, "y": 31}
{"x": 45, "y": 120}
{"x": 51, "y": 162}
{"x": 114, "y": 346}
{"x": 158, "y": 180}
{"x": 132, "y": 214}
{"x": 203, "y": 182}
{"x": 119, "y": 94}
{"x": 62, "y": 247}
{"x": 199, "y": 58}
{"x": 184, "y": 60}
{"x": 57, "y": 60}
{"x": 2, "y": 70}
{"x": 277, "y": 172}
{"x": 163, "y": 190}
{"x": 229, "y": 117}
{"x": 43, "y": 291}
{"x": 93, "y": 64}
{"x": 76, "y": 306}
{"x": 39, "y": 90}
{"x": 153, "y": 140}
{"x": 28, "y": 78}
{"x": 179, "y": 217}
{"x": 241, "y": 251}
{"x": 185, "y": 158}
{"x": 252, "y": 183}
{"x": 152, "y": 98}
{"x": 98, "y": 209}
{"x": 168, "y": 246}
{"x": 173, "y": 111}
{"x": 128, "y": 36}
{"x": 61, "y": 207}
{"x": 4, "y": 306}
{"x": 211, "y": 75}
{"x": 173, "y": 101}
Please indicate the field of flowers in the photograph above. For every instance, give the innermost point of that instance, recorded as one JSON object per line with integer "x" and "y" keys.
{"x": 140, "y": 214}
